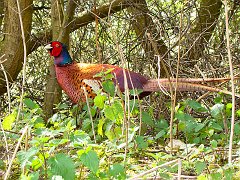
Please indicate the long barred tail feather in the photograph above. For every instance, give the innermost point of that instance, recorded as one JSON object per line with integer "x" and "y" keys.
{"x": 158, "y": 85}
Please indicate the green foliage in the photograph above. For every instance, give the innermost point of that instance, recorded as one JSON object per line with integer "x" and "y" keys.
{"x": 62, "y": 165}
{"x": 63, "y": 151}
{"x": 90, "y": 159}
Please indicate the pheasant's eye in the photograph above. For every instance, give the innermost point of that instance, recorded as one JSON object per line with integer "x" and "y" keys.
{"x": 57, "y": 45}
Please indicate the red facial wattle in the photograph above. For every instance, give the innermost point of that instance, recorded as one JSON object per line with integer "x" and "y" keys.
{"x": 56, "y": 49}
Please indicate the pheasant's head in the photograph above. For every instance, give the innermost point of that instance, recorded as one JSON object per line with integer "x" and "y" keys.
{"x": 60, "y": 53}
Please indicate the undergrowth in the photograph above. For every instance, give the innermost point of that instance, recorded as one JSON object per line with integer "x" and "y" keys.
{"x": 127, "y": 140}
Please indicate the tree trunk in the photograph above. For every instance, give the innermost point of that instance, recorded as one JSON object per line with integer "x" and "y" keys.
{"x": 208, "y": 15}
{"x": 12, "y": 47}
{"x": 53, "y": 92}
{"x": 61, "y": 30}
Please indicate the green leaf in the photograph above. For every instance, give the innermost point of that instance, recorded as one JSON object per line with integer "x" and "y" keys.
{"x": 228, "y": 174}
{"x": 109, "y": 87}
{"x": 62, "y": 165}
{"x": 238, "y": 113}
{"x": 200, "y": 166}
{"x": 90, "y": 160}
{"x": 30, "y": 104}
{"x": 114, "y": 112}
{"x": 217, "y": 111}
{"x": 99, "y": 101}
{"x": 216, "y": 176}
{"x": 218, "y": 99}
{"x": 8, "y": 121}
{"x": 160, "y": 134}
{"x": 183, "y": 117}
{"x": 199, "y": 126}
{"x": 147, "y": 119}
{"x": 117, "y": 171}
{"x": 202, "y": 177}
{"x": 141, "y": 143}
{"x": 100, "y": 126}
{"x": 214, "y": 143}
{"x": 196, "y": 106}
{"x": 25, "y": 157}
{"x": 215, "y": 126}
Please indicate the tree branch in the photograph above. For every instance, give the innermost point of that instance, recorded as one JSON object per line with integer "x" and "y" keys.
{"x": 88, "y": 17}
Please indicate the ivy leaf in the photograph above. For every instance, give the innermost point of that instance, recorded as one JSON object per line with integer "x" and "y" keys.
{"x": 62, "y": 165}
{"x": 90, "y": 160}
{"x": 200, "y": 166}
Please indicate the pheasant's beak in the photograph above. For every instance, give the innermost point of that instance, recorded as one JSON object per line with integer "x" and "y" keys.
{"x": 48, "y": 47}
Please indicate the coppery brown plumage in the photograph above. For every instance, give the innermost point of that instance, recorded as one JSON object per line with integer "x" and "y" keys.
{"x": 74, "y": 77}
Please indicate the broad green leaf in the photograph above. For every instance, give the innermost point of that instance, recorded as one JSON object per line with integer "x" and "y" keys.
{"x": 99, "y": 101}
{"x": 141, "y": 143}
{"x": 196, "y": 106}
{"x": 237, "y": 129}
{"x": 8, "y": 121}
{"x": 147, "y": 119}
{"x": 218, "y": 99}
{"x": 117, "y": 171}
{"x": 25, "y": 157}
{"x": 183, "y": 117}
{"x": 90, "y": 160}
{"x": 109, "y": 113}
{"x": 31, "y": 176}
{"x": 202, "y": 177}
{"x": 109, "y": 87}
{"x": 200, "y": 166}
{"x": 214, "y": 143}
{"x": 160, "y": 134}
{"x": 228, "y": 174}
{"x": 229, "y": 109}
{"x": 215, "y": 126}
{"x": 216, "y": 176}
{"x": 238, "y": 113}
{"x": 62, "y": 165}
{"x": 100, "y": 126}
{"x": 199, "y": 126}
{"x": 114, "y": 112}
{"x": 30, "y": 104}
{"x": 217, "y": 111}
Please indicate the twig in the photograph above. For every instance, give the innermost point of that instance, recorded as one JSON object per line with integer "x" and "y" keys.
{"x": 153, "y": 169}
{"x": 174, "y": 97}
{"x": 8, "y": 89}
{"x": 15, "y": 152}
{"x": 90, "y": 114}
{"x": 24, "y": 59}
{"x": 232, "y": 84}
{"x": 179, "y": 169}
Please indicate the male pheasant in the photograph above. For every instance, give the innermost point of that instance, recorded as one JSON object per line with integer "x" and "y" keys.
{"x": 73, "y": 77}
